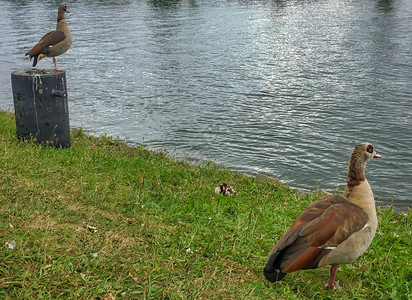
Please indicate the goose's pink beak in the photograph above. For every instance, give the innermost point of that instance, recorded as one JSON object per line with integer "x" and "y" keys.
{"x": 377, "y": 156}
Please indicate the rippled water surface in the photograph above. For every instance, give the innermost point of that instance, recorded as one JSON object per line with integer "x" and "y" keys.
{"x": 284, "y": 88}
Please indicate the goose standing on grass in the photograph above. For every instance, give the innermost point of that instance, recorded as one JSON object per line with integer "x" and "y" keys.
{"x": 332, "y": 231}
{"x": 55, "y": 42}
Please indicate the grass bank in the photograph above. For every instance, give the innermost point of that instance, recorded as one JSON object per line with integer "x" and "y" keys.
{"x": 106, "y": 220}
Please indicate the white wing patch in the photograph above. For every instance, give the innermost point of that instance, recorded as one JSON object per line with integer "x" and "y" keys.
{"x": 327, "y": 247}
{"x": 366, "y": 225}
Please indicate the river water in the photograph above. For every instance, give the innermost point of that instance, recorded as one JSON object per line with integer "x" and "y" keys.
{"x": 283, "y": 88}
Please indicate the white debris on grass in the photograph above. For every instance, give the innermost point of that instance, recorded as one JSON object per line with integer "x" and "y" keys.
{"x": 10, "y": 245}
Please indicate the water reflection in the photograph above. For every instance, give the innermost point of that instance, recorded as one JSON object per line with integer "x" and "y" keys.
{"x": 385, "y": 5}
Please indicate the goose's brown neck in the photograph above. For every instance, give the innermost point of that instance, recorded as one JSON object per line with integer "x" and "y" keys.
{"x": 358, "y": 190}
{"x": 356, "y": 172}
{"x": 60, "y": 16}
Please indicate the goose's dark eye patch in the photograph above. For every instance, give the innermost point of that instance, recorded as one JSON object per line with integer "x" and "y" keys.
{"x": 369, "y": 149}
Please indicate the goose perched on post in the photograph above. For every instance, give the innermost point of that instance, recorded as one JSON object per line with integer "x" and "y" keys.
{"x": 332, "y": 231}
{"x": 55, "y": 42}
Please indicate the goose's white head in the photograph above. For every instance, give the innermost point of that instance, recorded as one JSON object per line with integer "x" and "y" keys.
{"x": 361, "y": 154}
{"x": 365, "y": 152}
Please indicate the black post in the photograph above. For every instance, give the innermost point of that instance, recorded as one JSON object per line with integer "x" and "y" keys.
{"x": 41, "y": 106}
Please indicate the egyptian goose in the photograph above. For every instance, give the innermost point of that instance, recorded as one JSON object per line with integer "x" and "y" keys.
{"x": 332, "y": 231}
{"x": 55, "y": 42}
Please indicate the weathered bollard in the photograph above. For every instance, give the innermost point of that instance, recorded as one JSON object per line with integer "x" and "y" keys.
{"x": 41, "y": 108}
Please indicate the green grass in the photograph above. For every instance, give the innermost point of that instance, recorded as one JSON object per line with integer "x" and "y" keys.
{"x": 162, "y": 232}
